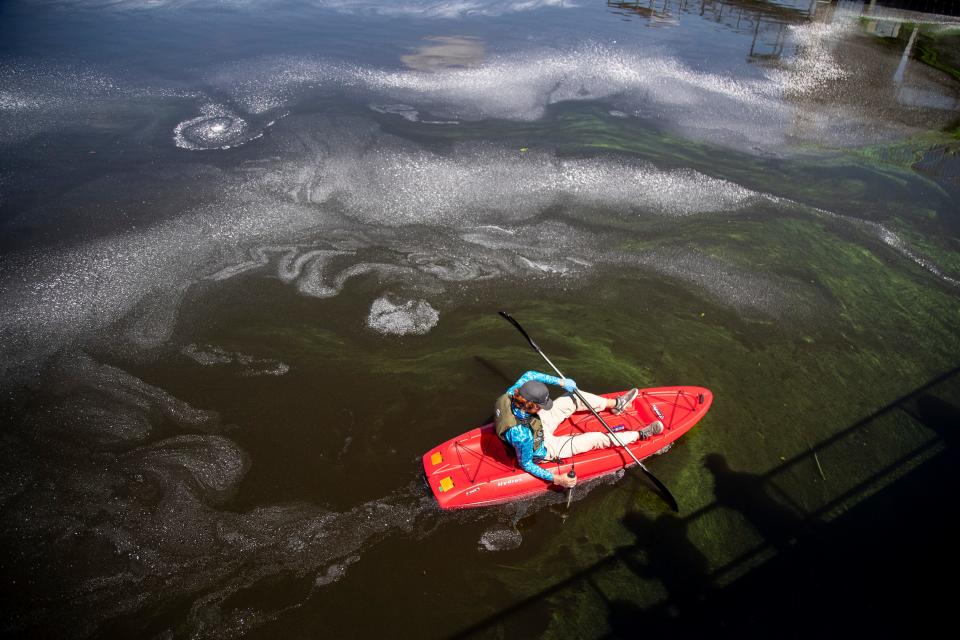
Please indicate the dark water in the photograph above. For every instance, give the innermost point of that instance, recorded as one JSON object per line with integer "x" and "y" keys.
{"x": 252, "y": 255}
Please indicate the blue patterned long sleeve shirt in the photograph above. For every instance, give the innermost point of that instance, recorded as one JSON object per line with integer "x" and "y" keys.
{"x": 521, "y": 438}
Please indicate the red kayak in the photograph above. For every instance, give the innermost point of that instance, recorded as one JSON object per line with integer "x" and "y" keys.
{"x": 478, "y": 469}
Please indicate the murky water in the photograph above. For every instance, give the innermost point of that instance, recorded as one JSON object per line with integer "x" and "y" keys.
{"x": 252, "y": 255}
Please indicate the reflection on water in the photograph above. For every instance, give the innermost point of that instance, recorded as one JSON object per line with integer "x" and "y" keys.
{"x": 735, "y": 14}
{"x": 915, "y": 96}
{"x": 765, "y": 22}
{"x": 446, "y": 52}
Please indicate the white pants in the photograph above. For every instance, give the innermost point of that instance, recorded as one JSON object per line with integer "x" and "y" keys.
{"x": 559, "y": 447}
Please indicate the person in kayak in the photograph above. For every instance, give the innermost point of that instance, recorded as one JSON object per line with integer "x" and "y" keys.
{"x": 526, "y": 417}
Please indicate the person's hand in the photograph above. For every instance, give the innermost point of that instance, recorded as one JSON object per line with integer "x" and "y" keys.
{"x": 564, "y": 480}
{"x": 569, "y": 384}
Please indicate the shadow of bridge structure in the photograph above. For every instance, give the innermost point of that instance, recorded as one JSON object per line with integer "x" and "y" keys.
{"x": 877, "y": 557}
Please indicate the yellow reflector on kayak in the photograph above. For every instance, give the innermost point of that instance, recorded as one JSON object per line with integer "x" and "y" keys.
{"x": 446, "y": 484}
{"x": 436, "y": 458}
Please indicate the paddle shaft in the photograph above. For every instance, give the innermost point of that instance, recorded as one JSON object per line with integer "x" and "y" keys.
{"x": 576, "y": 392}
{"x": 663, "y": 489}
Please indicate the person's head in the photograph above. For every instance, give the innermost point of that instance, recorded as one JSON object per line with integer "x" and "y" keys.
{"x": 532, "y": 396}
{"x": 716, "y": 463}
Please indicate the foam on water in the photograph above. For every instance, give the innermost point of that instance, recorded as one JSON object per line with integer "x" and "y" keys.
{"x": 748, "y": 113}
{"x": 334, "y": 572}
{"x": 488, "y": 252}
{"x": 15, "y": 102}
{"x": 213, "y": 465}
{"x": 48, "y": 299}
{"x": 816, "y": 61}
{"x": 892, "y": 240}
{"x": 403, "y": 186}
{"x": 314, "y": 282}
{"x": 500, "y": 538}
{"x": 402, "y": 318}
{"x": 380, "y": 179}
{"x": 216, "y": 128}
{"x": 33, "y": 95}
{"x": 250, "y": 365}
{"x": 760, "y": 111}
{"x": 141, "y": 476}
{"x": 428, "y": 265}
{"x": 454, "y": 268}
{"x": 41, "y": 96}
{"x": 121, "y": 515}
{"x": 741, "y": 289}
{"x": 312, "y": 270}
{"x": 405, "y": 111}
{"x": 521, "y": 86}
{"x": 756, "y": 112}
{"x": 104, "y": 406}
{"x": 900, "y": 245}
{"x": 306, "y": 213}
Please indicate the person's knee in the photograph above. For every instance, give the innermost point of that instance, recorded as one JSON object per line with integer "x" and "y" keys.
{"x": 565, "y": 406}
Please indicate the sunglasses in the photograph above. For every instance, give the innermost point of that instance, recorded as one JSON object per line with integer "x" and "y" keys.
{"x": 526, "y": 405}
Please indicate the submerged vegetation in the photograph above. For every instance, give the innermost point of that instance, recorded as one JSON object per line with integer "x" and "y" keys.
{"x": 742, "y": 229}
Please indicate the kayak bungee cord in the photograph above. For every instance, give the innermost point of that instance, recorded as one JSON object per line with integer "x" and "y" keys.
{"x": 664, "y": 492}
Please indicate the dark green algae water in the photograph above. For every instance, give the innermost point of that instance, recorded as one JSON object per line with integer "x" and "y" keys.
{"x": 782, "y": 391}
{"x": 804, "y": 323}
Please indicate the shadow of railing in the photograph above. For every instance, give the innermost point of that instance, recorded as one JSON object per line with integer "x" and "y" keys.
{"x": 915, "y": 406}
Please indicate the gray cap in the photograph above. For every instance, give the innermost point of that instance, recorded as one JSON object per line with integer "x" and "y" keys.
{"x": 536, "y": 392}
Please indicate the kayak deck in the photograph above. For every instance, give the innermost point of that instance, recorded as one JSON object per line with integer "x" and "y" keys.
{"x": 479, "y": 469}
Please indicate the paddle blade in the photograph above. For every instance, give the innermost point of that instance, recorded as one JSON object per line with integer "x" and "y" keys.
{"x": 509, "y": 318}
{"x": 664, "y": 492}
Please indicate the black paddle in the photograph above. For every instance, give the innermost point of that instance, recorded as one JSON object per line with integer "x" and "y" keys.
{"x": 664, "y": 492}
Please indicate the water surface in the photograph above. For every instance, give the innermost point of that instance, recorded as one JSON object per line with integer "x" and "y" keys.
{"x": 252, "y": 255}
